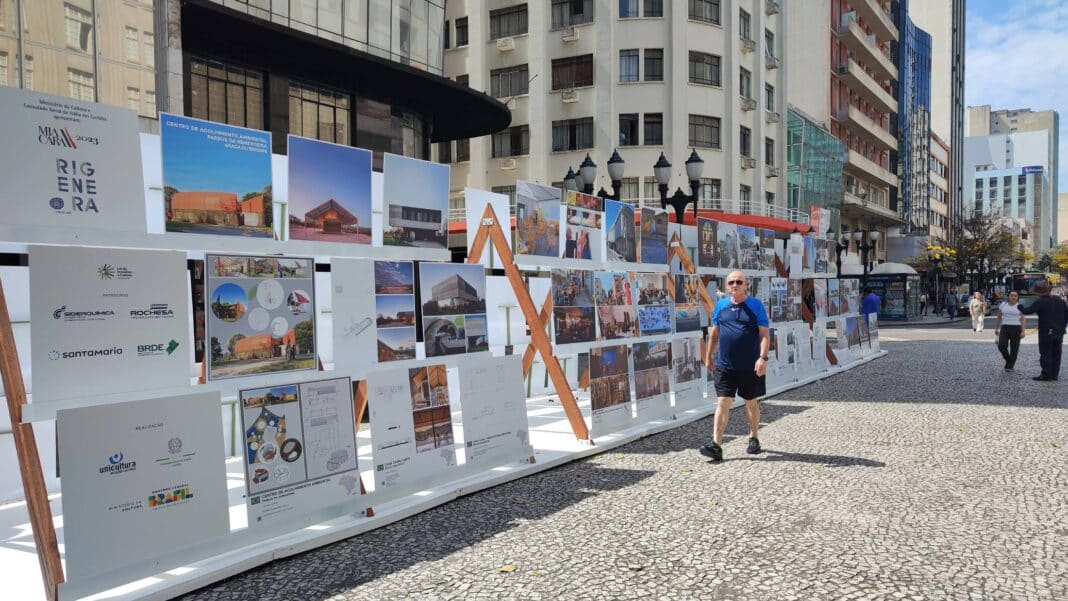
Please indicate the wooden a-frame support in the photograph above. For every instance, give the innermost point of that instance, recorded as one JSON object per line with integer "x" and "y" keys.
{"x": 488, "y": 230}
{"x": 33, "y": 482}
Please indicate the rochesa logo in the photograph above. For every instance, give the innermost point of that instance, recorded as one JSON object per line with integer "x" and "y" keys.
{"x": 96, "y": 352}
{"x": 98, "y": 315}
{"x": 159, "y": 348}
{"x": 154, "y": 311}
{"x": 117, "y": 464}
{"x": 112, "y": 272}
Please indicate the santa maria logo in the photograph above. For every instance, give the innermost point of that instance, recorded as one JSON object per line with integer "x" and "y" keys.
{"x": 94, "y": 352}
{"x": 154, "y": 311}
{"x": 94, "y": 315}
{"x": 117, "y": 464}
{"x": 157, "y": 348}
{"x": 112, "y": 272}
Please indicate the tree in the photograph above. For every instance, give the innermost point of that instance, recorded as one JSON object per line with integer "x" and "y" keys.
{"x": 983, "y": 237}
{"x": 232, "y": 343}
{"x": 216, "y": 348}
{"x": 305, "y": 338}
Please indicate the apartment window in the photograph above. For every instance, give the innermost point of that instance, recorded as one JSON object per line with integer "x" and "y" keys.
{"x": 628, "y": 9}
{"x": 509, "y": 21}
{"x": 769, "y": 198}
{"x": 651, "y": 191}
{"x": 654, "y": 64}
{"x": 514, "y": 141}
{"x": 150, "y": 103}
{"x": 745, "y": 27}
{"x": 745, "y": 82}
{"x": 464, "y": 80}
{"x": 573, "y": 134}
{"x": 461, "y": 32}
{"x": 510, "y": 81}
{"x": 704, "y": 10}
{"x": 3, "y": 67}
{"x": 149, "y": 41}
{"x": 628, "y": 65}
{"x": 745, "y": 141}
{"x": 317, "y": 112}
{"x": 508, "y": 191}
{"x": 769, "y": 43}
{"x": 709, "y": 193}
{"x": 769, "y": 97}
{"x": 704, "y": 131}
{"x": 628, "y": 190}
{"x": 463, "y": 150}
{"x": 744, "y": 193}
{"x": 228, "y": 93}
{"x": 573, "y": 72}
{"x": 654, "y": 129}
{"x": 769, "y": 151}
{"x": 445, "y": 38}
{"x": 566, "y": 13}
{"x": 131, "y": 44}
{"x": 80, "y": 85}
{"x": 133, "y": 99}
{"x": 653, "y": 8}
{"x": 27, "y": 72}
{"x": 628, "y": 129}
{"x": 705, "y": 69}
{"x": 79, "y": 28}
{"x": 445, "y": 152}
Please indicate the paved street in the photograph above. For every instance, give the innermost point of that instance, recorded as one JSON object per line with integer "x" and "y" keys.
{"x": 929, "y": 474}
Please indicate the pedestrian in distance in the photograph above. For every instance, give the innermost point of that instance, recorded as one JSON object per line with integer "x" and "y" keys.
{"x": 977, "y": 307}
{"x": 1010, "y": 329}
{"x": 951, "y": 303}
{"x": 923, "y": 304}
{"x": 1052, "y": 315}
{"x": 737, "y": 351}
{"x": 869, "y": 304}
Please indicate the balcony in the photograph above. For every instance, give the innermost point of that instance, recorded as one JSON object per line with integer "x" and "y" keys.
{"x": 771, "y": 117}
{"x": 748, "y": 163}
{"x": 772, "y": 62}
{"x": 771, "y": 7}
{"x": 860, "y": 82}
{"x": 748, "y": 104}
{"x": 856, "y": 204}
{"x": 869, "y": 170}
{"x": 772, "y": 171}
{"x": 866, "y": 128}
{"x": 748, "y": 45}
{"x": 865, "y": 48}
{"x": 876, "y": 18}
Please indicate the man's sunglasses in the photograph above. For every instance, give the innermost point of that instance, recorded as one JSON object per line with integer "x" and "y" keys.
{"x": 735, "y": 282}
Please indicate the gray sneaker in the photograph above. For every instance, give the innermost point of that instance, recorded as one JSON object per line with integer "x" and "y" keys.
{"x": 711, "y": 450}
{"x": 754, "y": 447}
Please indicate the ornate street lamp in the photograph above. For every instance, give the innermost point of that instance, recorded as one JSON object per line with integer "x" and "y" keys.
{"x": 588, "y": 171}
{"x": 694, "y": 169}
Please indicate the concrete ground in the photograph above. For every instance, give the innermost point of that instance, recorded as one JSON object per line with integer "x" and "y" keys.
{"x": 932, "y": 473}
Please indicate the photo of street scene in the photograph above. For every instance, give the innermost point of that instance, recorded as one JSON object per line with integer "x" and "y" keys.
{"x": 416, "y": 198}
{"x": 573, "y": 324}
{"x": 620, "y": 233}
{"x": 654, "y": 226}
{"x": 808, "y": 258}
{"x": 572, "y": 288}
{"x": 329, "y": 192}
{"x": 451, "y": 293}
{"x": 793, "y": 299}
{"x": 778, "y": 299}
{"x": 727, "y": 245}
{"x": 820, "y": 292}
{"x": 707, "y": 242}
{"x": 686, "y": 359}
{"x": 616, "y": 321}
{"x": 834, "y": 298}
{"x": 537, "y": 220}
{"x": 609, "y": 377}
{"x": 611, "y": 288}
{"x": 767, "y": 247}
{"x": 394, "y": 287}
{"x": 583, "y": 214}
{"x": 823, "y": 255}
{"x": 750, "y": 256}
{"x": 651, "y": 374}
{"x": 431, "y": 412}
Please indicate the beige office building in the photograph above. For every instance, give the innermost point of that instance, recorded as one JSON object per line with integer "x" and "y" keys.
{"x": 938, "y": 202}
{"x": 642, "y": 76}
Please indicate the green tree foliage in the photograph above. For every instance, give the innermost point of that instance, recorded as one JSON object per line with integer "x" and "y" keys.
{"x": 305, "y": 338}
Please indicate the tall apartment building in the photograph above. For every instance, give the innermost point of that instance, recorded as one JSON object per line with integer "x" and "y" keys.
{"x": 939, "y": 220}
{"x": 944, "y": 21}
{"x": 643, "y": 77}
{"x": 364, "y": 72}
{"x": 842, "y": 74}
{"x": 912, "y": 53}
{"x": 1016, "y": 140}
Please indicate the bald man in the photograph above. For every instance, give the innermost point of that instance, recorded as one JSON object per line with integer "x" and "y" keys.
{"x": 741, "y": 336}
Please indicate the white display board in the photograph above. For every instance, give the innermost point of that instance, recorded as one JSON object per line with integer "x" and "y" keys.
{"x": 652, "y": 380}
{"x": 495, "y": 411}
{"x": 68, "y": 164}
{"x": 141, "y": 481}
{"x": 106, "y": 320}
{"x": 475, "y": 202}
{"x": 406, "y": 460}
{"x": 687, "y": 373}
{"x": 610, "y": 389}
{"x": 353, "y": 323}
{"x": 299, "y": 449}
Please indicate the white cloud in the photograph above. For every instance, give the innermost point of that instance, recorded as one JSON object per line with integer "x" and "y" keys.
{"x": 1017, "y": 57}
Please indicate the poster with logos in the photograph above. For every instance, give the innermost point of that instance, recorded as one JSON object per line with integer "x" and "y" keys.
{"x": 106, "y": 320}
{"x": 573, "y": 306}
{"x": 652, "y": 379}
{"x": 453, "y": 297}
{"x": 146, "y": 479}
{"x": 411, "y": 430}
{"x": 416, "y": 198}
{"x": 299, "y": 448}
{"x": 615, "y": 305}
{"x": 610, "y": 389}
{"x": 537, "y": 220}
{"x": 655, "y": 305}
{"x": 495, "y": 411}
{"x": 69, "y": 164}
{"x": 261, "y": 315}
{"x": 329, "y": 192}
{"x": 687, "y": 373}
{"x": 621, "y": 239}
{"x": 707, "y": 243}
{"x": 583, "y": 227}
{"x": 654, "y": 235}
{"x": 216, "y": 178}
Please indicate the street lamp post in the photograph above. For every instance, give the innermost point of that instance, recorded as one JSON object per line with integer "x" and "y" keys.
{"x": 935, "y": 260}
{"x": 838, "y": 249}
{"x": 863, "y": 247}
{"x": 695, "y": 167}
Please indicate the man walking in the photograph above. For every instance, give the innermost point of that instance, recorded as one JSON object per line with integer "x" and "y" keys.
{"x": 1052, "y": 315}
{"x": 869, "y": 304}
{"x": 951, "y": 303}
{"x": 740, "y": 334}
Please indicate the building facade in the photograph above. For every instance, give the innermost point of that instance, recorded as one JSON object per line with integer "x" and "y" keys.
{"x": 913, "y": 123}
{"x": 643, "y": 77}
{"x": 814, "y": 161}
{"x": 364, "y": 72}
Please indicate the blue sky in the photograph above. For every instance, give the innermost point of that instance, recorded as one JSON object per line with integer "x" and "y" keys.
{"x": 193, "y": 162}
{"x": 319, "y": 171}
{"x": 1016, "y": 57}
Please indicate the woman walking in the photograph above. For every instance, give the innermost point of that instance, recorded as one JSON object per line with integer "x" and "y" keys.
{"x": 1010, "y": 329}
{"x": 977, "y": 307}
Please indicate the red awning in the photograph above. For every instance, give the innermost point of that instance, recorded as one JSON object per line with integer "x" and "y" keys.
{"x": 757, "y": 221}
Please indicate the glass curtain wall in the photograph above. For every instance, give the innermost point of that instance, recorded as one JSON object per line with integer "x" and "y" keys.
{"x": 814, "y": 161}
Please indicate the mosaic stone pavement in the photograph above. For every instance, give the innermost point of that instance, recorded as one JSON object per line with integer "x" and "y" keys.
{"x": 929, "y": 474}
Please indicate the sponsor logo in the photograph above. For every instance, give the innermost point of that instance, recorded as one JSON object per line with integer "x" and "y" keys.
{"x": 112, "y": 272}
{"x": 170, "y": 496}
{"x": 76, "y": 182}
{"x": 56, "y": 203}
{"x": 154, "y": 311}
{"x": 254, "y": 501}
{"x": 174, "y": 446}
{"x": 56, "y": 136}
{"x": 127, "y": 506}
{"x": 96, "y": 352}
{"x": 97, "y": 315}
{"x": 117, "y": 464}
{"x": 160, "y": 348}
{"x": 380, "y": 467}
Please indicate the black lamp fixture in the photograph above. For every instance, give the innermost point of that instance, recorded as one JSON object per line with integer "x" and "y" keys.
{"x": 569, "y": 180}
{"x": 863, "y": 247}
{"x": 588, "y": 172}
{"x": 695, "y": 167}
{"x": 616, "y": 165}
{"x": 839, "y": 248}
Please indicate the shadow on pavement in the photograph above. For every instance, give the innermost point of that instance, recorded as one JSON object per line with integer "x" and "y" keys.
{"x": 824, "y": 460}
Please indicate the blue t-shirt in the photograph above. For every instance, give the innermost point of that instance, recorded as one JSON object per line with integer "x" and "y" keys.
{"x": 739, "y": 332}
{"x": 869, "y": 304}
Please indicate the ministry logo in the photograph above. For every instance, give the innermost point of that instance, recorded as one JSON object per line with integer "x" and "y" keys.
{"x": 112, "y": 272}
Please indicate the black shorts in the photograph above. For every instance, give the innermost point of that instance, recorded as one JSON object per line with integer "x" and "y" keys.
{"x": 744, "y": 383}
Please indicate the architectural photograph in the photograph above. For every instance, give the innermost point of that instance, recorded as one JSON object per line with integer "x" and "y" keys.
{"x": 453, "y": 288}
{"x": 329, "y": 192}
{"x": 572, "y": 287}
{"x": 707, "y": 242}
{"x": 416, "y": 197}
{"x": 537, "y": 220}
{"x": 654, "y": 235}
{"x": 620, "y": 237}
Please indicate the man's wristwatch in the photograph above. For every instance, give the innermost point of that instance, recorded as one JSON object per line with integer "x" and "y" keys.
{"x": 764, "y": 357}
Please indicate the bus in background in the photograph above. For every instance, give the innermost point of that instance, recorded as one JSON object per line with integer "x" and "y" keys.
{"x": 1023, "y": 283}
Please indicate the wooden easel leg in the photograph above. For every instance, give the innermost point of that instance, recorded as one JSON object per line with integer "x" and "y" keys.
{"x": 359, "y": 402}
{"x": 33, "y": 482}
{"x": 543, "y": 318}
